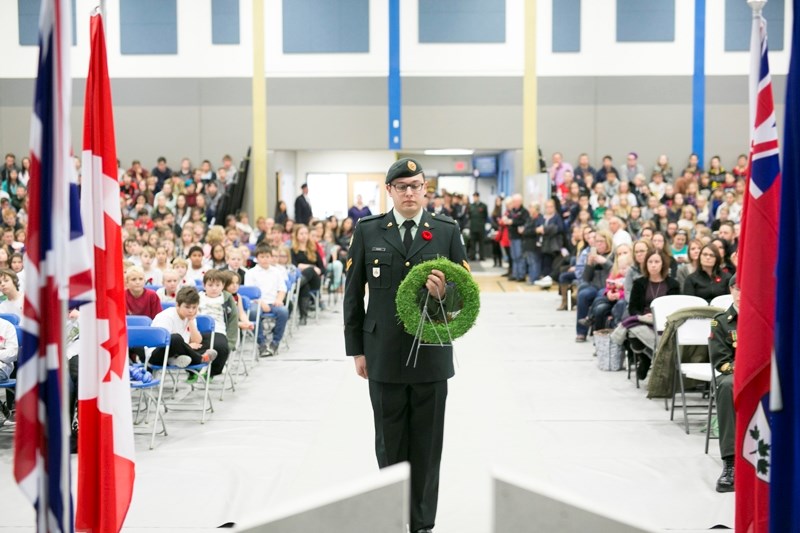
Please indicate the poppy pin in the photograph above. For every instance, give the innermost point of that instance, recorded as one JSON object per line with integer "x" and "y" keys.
{"x": 717, "y": 280}
{"x": 427, "y": 235}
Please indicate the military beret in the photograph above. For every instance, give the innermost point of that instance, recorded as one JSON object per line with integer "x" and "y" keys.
{"x": 403, "y": 168}
{"x": 732, "y": 282}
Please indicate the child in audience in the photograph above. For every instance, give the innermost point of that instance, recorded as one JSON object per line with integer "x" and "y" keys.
{"x": 9, "y": 286}
{"x": 186, "y": 342}
{"x": 219, "y": 305}
{"x": 8, "y": 349}
{"x": 152, "y": 275}
{"x": 269, "y": 279}
{"x": 234, "y": 258}
{"x": 138, "y": 300}
{"x": 132, "y": 251}
{"x": 168, "y": 292}
{"x": 181, "y": 265}
{"x": 17, "y": 265}
{"x": 232, "y": 287}
{"x": 197, "y": 268}
{"x": 162, "y": 262}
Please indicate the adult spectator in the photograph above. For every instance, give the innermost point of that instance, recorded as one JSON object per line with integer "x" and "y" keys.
{"x": 619, "y": 235}
{"x": 654, "y": 283}
{"x": 459, "y": 211}
{"x": 577, "y": 263}
{"x": 302, "y": 207}
{"x": 213, "y": 197}
{"x": 558, "y": 168}
{"x": 162, "y": 172}
{"x": 640, "y": 190}
{"x": 631, "y": 168}
{"x": 552, "y": 233}
{"x": 281, "y": 213}
{"x": 478, "y": 216}
{"x": 727, "y": 232}
{"x": 515, "y": 219}
{"x": 497, "y": 214}
{"x": 358, "y": 210}
{"x": 186, "y": 171}
{"x": 532, "y": 245}
{"x": 708, "y": 281}
{"x": 9, "y": 164}
{"x": 663, "y": 167}
{"x": 584, "y": 168}
{"x": 739, "y": 171}
{"x": 693, "y": 165}
{"x": 611, "y": 185}
{"x": 692, "y": 263}
{"x": 641, "y": 249}
{"x": 25, "y": 171}
{"x": 722, "y": 351}
{"x": 624, "y": 191}
{"x": 607, "y": 167}
{"x": 611, "y": 299}
{"x": 716, "y": 171}
{"x": 310, "y": 265}
{"x": 598, "y": 265}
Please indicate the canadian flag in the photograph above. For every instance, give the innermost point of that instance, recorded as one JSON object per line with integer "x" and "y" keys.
{"x": 105, "y": 439}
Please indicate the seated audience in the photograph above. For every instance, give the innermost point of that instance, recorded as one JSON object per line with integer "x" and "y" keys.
{"x": 598, "y": 265}
{"x": 270, "y": 280}
{"x": 138, "y": 299}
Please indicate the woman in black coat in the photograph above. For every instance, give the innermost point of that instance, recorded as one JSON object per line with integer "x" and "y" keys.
{"x": 654, "y": 283}
{"x": 709, "y": 280}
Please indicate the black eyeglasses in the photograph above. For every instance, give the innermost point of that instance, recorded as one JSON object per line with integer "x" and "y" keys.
{"x": 403, "y": 187}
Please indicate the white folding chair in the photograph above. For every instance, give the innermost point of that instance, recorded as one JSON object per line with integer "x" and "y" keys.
{"x": 693, "y": 332}
{"x": 723, "y": 302}
{"x": 705, "y": 372}
{"x": 662, "y": 307}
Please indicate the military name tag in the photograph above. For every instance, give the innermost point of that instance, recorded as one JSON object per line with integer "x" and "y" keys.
{"x": 376, "y": 272}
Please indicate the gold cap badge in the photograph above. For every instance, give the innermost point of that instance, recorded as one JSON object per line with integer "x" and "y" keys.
{"x": 412, "y": 166}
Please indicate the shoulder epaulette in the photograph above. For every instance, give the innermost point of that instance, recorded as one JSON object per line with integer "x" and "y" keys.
{"x": 371, "y": 217}
{"x": 443, "y": 218}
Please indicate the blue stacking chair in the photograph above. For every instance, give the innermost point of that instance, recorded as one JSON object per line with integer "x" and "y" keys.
{"x": 254, "y": 295}
{"x": 14, "y": 319}
{"x": 167, "y": 305}
{"x": 138, "y": 320}
{"x": 205, "y": 324}
{"x": 152, "y": 287}
{"x": 150, "y": 337}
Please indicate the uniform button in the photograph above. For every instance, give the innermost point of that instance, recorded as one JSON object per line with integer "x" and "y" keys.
{"x": 408, "y": 264}
{"x": 376, "y": 261}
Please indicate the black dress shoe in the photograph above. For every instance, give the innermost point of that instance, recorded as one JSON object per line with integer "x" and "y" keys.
{"x": 725, "y": 481}
{"x": 425, "y": 530}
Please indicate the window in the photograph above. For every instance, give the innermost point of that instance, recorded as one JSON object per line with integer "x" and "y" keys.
{"x": 148, "y": 27}
{"x": 645, "y": 20}
{"x": 566, "y": 25}
{"x": 739, "y": 22}
{"x": 225, "y": 21}
{"x": 28, "y": 18}
{"x": 325, "y": 26}
{"x": 462, "y": 21}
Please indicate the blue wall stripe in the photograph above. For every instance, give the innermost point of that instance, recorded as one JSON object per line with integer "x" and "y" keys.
{"x": 395, "y": 96}
{"x": 699, "y": 81}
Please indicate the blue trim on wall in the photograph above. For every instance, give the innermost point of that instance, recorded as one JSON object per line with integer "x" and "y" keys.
{"x": 395, "y": 88}
{"x": 699, "y": 81}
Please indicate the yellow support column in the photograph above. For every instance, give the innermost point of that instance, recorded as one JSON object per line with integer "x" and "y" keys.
{"x": 258, "y": 156}
{"x": 530, "y": 143}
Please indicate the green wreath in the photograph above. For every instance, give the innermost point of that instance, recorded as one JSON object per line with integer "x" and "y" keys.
{"x": 413, "y": 286}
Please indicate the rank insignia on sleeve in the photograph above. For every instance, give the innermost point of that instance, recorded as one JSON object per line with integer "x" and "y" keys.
{"x": 466, "y": 265}
{"x": 714, "y": 323}
{"x": 349, "y": 264}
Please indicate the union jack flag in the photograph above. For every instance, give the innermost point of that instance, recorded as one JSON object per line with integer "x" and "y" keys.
{"x": 758, "y": 254}
{"x": 56, "y": 263}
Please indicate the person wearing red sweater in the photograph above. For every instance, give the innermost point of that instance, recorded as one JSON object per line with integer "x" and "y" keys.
{"x": 138, "y": 300}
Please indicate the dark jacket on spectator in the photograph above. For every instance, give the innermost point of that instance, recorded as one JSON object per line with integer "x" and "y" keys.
{"x": 518, "y": 218}
{"x": 532, "y": 241}
{"x": 640, "y": 300}
{"x": 595, "y": 275}
{"x": 699, "y": 283}
{"x": 553, "y": 235}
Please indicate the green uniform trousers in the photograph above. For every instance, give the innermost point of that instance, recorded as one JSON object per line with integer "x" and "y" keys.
{"x": 726, "y": 416}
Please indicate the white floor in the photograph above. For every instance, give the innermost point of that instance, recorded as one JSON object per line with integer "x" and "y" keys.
{"x": 525, "y": 397}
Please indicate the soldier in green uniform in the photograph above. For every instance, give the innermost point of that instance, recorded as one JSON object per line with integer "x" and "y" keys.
{"x": 478, "y": 215}
{"x": 722, "y": 350}
{"x": 408, "y": 399}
